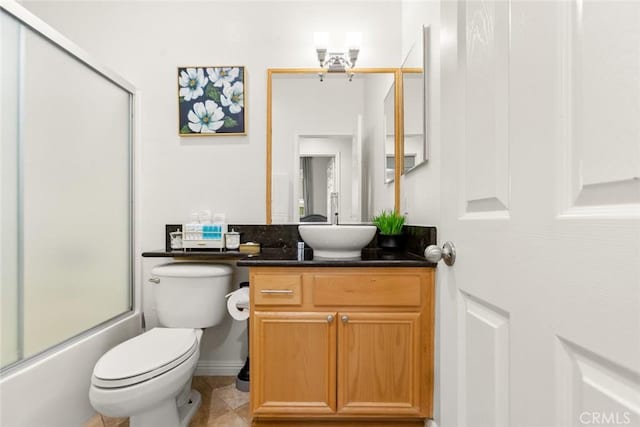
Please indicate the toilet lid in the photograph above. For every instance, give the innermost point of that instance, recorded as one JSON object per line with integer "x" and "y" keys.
{"x": 191, "y": 269}
{"x": 144, "y": 357}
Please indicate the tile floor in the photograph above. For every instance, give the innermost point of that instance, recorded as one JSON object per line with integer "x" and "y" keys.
{"x": 222, "y": 405}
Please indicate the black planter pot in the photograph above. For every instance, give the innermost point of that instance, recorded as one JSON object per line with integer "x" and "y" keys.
{"x": 391, "y": 242}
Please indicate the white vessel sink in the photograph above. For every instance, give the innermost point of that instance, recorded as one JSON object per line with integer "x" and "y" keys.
{"x": 337, "y": 241}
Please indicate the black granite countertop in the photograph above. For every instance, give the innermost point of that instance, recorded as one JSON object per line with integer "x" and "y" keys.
{"x": 199, "y": 253}
{"x": 370, "y": 258}
{"x": 287, "y": 257}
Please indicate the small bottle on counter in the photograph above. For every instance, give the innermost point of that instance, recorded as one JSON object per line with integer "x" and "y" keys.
{"x": 300, "y": 251}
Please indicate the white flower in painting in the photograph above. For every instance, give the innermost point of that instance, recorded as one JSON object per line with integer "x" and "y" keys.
{"x": 192, "y": 82}
{"x": 206, "y": 117}
{"x": 222, "y": 75}
{"x": 233, "y": 97}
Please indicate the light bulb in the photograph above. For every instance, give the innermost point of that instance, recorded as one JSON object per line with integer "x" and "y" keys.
{"x": 354, "y": 39}
{"x": 321, "y": 40}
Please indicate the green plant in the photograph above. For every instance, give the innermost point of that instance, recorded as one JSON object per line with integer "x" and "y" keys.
{"x": 389, "y": 222}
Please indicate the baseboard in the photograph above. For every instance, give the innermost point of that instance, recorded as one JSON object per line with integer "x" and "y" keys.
{"x": 336, "y": 423}
{"x": 214, "y": 368}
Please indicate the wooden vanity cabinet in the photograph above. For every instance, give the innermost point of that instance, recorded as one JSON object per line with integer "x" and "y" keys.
{"x": 341, "y": 343}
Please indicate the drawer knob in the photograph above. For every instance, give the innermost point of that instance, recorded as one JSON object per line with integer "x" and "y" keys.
{"x": 345, "y": 318}
{"x": 330, "y": 318}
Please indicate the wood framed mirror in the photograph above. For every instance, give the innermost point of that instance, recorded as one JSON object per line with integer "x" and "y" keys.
{"x": 327, "y": 137}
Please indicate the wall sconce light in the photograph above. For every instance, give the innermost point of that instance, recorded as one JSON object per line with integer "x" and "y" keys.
{"x": 337, "y": 62}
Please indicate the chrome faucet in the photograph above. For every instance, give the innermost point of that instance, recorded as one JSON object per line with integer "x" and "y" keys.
{"x": 334, "y": 208}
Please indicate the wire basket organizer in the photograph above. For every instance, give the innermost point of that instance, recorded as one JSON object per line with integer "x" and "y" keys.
{"x": 209, "y": 236}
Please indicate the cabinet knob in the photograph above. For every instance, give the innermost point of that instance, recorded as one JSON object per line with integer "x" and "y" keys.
{"x": 345, "y": 318}
{"x": 330, "y": 318}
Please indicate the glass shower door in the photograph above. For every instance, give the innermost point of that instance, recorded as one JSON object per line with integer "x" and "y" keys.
{"x": 66, "y": 194}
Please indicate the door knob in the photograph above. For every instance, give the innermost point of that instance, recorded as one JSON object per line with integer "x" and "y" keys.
{"x": 446, "y": 253}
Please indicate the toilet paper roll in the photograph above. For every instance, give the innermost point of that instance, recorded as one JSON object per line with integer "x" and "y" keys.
{"x": 235, "y": 298}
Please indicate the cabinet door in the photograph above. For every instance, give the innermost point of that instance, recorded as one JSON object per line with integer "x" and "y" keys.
{"x": 294, "y": 363}
{"x": 379, "y": 363}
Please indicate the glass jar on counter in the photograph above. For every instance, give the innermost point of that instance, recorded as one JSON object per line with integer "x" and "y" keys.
{"x": 232, "y": 240}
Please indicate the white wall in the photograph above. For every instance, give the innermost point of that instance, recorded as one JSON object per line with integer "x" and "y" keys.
{"x": 420, "y": 188}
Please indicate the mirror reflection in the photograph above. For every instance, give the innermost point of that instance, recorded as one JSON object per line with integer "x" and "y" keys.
{"x": 413, "y": 81}
{"x": 316, "y": 185}
{"x": 390, "y": 136}
{"x": 327, "y": 143}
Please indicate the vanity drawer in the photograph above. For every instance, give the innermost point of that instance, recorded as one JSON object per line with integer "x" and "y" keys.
{"x": 277, "y": 289}
{"x": 366, "y": 290}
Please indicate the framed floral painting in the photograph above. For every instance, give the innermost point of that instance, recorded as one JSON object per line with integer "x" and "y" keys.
{"x": 211, "y": 101}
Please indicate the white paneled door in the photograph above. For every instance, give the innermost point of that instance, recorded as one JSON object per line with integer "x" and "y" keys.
{"x": 540, "y": 315}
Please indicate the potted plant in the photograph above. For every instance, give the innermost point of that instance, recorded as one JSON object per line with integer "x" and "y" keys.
{"x": 390, "y": 224}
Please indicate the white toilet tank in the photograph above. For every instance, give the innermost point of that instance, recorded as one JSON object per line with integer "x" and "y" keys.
{"x": 191, "y": 295}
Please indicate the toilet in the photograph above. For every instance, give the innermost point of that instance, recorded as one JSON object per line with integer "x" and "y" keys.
{"x": 148, "y": 378}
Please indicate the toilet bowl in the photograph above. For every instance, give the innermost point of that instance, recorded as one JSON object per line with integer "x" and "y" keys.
{"x": 148, "y": 378}
{"x": 142, "y": 378}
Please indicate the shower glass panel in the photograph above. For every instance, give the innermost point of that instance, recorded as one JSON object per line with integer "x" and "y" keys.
{"x": 66, "y": 195}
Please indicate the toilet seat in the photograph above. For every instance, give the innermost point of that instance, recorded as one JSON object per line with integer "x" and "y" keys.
{"x": 144, "y": 357}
